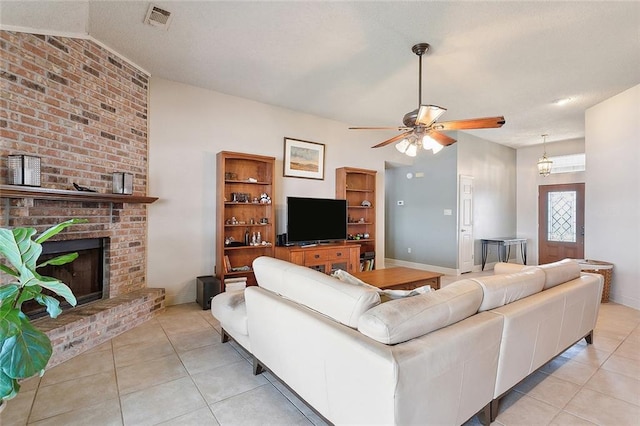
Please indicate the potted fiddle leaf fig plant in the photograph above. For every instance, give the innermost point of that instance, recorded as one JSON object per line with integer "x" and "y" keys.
{"x": 25, "y": 350}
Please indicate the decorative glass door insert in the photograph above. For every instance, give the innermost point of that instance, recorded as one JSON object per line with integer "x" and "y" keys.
{"x": 561, "y": 217}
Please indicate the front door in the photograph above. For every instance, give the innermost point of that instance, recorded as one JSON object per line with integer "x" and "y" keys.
{"x": 560, "y": 222}
{"x": 465, "y": 225}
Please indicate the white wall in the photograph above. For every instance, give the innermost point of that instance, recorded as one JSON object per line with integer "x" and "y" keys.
{"x": 528, "y": 181}
{"x": 493, "y": 168}
{"x": 187, "y": 127}
{"x": 612, "y": 188}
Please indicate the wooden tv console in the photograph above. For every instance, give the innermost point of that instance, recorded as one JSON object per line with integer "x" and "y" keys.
{"x": 326, "y": 258}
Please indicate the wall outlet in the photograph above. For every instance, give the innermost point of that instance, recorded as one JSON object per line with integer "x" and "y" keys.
{"x": 408, "y": 249}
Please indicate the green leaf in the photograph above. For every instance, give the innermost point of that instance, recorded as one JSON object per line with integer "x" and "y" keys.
{"x": 58, "y": 288}
{"x": 9, "y": 322}
{"x": 18, "y": 248}
{"x": 60, "y": 260}
{"x": 28, "y": 293}
{"x": 7, "y": 270}
{"x": 26, "y": 353}
{"x": 52, "y": 304}
{"x": 56, "y": 229}
{"x": 8, "y": 293}
{"x": 8, "y": 387}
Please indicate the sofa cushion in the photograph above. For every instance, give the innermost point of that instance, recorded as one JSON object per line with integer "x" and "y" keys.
{"x": 343, "y": 302}
{"x": 404, "y": 319}
{"x": 229, "y": 308}
{"x": 506, "y": 288}
{"x": 507, "y": 268}
{"x": 560, "y": 272}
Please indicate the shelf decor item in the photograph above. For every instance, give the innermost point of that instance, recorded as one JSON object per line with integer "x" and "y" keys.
{"x": 23, "y": 170}
{"x": 303, "y": 159}
{"x": 122, "y": 183}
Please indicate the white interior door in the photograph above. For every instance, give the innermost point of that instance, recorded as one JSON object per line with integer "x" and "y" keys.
{"x": 465, "y": 224}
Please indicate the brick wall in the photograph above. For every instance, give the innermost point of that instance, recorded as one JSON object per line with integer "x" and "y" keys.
{"x": 83, "y": 110}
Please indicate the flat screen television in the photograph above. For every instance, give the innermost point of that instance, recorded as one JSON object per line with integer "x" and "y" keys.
{"x": 316, "y": 220}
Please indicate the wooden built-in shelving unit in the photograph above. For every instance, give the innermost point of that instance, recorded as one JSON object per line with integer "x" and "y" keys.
{"x": 357, "y": 186}
{"x": 243, "y": 174}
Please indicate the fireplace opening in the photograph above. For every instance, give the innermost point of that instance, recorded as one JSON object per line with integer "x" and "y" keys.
{"x": 85, "y": 276}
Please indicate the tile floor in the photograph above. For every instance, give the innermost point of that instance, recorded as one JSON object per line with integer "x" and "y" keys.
{"x": 173, "y": 370}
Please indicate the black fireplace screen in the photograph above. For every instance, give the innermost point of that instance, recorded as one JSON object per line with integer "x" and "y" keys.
{"x": 85, "y": 275}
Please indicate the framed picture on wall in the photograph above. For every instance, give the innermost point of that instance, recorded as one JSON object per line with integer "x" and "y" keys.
{"x": 303, "y": 159}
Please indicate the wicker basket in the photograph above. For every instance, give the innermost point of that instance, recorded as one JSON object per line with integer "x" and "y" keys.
{"x": 603, "y": 268}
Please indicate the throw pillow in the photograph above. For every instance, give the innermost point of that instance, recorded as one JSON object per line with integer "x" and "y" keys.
{"x": 385, "y": 295}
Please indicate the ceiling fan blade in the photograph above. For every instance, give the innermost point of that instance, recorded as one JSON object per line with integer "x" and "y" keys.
{"x": 441, "y": 138}
{"x": 400, "y": 129}
{"x": 472, "y": 123}
{"x": 393, "y": 139}
{"x": 428, "y": 114}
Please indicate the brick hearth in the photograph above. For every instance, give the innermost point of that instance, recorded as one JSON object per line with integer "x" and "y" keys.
{"x": 83, "y": 110}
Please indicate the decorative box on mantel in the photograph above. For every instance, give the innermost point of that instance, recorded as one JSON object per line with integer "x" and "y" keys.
{"x": 23, "y": 170}
{"x": 122, "y": 183}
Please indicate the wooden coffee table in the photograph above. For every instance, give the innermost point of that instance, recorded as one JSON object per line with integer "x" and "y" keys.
{"x": 400, "y": 278}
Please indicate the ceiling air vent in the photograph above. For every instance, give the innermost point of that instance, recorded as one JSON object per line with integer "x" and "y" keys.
{"x": 158, "y": 17}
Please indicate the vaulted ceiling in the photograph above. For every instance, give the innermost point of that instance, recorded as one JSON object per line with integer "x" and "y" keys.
{"x": 352, "y": 61}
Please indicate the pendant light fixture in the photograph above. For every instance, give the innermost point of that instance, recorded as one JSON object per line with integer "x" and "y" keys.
{"x": 544, "y": 164}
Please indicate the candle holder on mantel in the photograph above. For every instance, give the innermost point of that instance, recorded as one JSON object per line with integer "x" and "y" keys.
{"x": 23, "y": 170}
{"x": 122, "y": 183}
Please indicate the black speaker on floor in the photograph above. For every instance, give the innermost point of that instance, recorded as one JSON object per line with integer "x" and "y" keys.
{"x": 282, "y": 240}
{"x": 207, "y": 286}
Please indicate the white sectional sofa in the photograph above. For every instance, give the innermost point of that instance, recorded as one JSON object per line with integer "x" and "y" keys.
{"x": 436, "y": 358}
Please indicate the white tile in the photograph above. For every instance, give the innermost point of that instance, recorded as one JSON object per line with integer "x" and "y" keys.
{"x": 71, "y": 395}
{"x": 615, "y": 385}
{"x": 147, "y": 351}
{"x": 145, "y": 374}
{"x": 16, "y": 411}
{"x": 208, "y": 358}
{"x": 161, "y": 403}
{"x": 619, "y": 364}
{"x": 227, "y": 381}
{"x": 263, "y": 405}
{"x": 603, "y": 409}
{"x": 548, "y": 389}
{"x": 85, "y": 364}
{"x": 200, "y": 417}
{"x": 186, "y": 341}
{"x": 567, "y": 369}
{"x": 567, "y": 419}
{"x": 519, "y": 409}
{"x": 148, "y": 332}
{"x": 105, "y": 413}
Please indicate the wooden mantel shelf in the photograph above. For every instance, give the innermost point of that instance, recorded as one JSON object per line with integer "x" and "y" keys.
{"x": 11, "y": 191}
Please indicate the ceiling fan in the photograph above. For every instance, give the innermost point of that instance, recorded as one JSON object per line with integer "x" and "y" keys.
{"x": 421, "y": 128}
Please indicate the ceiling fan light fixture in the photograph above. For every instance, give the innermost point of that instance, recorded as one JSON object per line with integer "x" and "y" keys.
{"x": 429, "y": 143}
{"x": 402, "y": 145}
{"x": 544, "y": 164}
{"x": 436, "y": 148}
{"x": 412, "y": 150}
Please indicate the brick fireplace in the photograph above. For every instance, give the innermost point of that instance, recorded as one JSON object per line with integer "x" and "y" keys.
{"x": 83, "y": 110}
